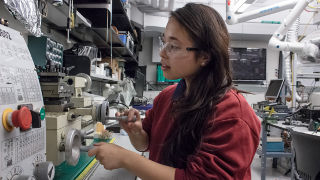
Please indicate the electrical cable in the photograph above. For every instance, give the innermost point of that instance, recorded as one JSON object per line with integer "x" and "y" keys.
{"x": 312, "y": 90}
{"x": 313, "y": 7}
{"x": 310, "y": 11}
{"x": 114, "y": 102}
{"x": 305, "y": 28}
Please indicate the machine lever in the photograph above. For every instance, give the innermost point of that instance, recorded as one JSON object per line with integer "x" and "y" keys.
{"x": 86, "y": 148}
{"x": 89, "y": 131}
{"x": 88, "y": 137}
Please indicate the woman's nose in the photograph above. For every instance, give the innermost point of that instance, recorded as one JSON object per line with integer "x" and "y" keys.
{"x": 163, "y": 53}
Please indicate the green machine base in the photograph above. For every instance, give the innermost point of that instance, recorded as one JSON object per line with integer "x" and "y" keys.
{"x": 68, "y": 172}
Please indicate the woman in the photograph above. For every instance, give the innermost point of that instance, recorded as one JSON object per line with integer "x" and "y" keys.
{"x": 201, "y": 128}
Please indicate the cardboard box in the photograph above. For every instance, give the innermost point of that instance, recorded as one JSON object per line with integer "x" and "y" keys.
{"x": 114, "y": 64}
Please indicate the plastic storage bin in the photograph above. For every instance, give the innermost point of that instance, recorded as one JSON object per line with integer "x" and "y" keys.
{"x": 142, "y": 107}
{"x": 275, "y": 147}
{"x": 123, "y": 38}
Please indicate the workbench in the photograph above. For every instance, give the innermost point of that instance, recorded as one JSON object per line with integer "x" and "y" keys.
{"x": 99, "y": 172}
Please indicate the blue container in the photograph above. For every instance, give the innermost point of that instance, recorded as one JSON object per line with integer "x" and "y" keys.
{"x": 141, "y": 107}
{"x": 275, "y": 147}
{"x": 123, "y": 38}
{"x": 124, "y": 1}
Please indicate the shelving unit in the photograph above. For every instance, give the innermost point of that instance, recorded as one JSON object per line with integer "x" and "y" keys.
{"x": 93, "y": 24}
{"x": 121, "y": 19}
{"x": 57, "y": 16}
{"x": 267, "y": 154}
{"x": 117, "y": 45}
{"x": 104, "y": 79}
{"x": 99, "y": 16}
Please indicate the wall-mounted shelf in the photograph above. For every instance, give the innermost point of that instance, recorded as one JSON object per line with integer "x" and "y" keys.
{"x": 97, "y": 11}
{"x": 58, "y": 16}
{"x": 309, "y": 76}
{"x": 120, "y": 18}
{"x": 117, "y": 44}
{"x": 92, "y": 22}
{"x": 104, "y": 79}
{"x": 99, "y": 17}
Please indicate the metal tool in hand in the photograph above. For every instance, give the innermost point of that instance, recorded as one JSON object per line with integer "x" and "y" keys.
{"x": 121, "y": 118}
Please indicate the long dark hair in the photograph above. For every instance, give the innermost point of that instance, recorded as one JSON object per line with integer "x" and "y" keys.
{"x": 191, "y": 111}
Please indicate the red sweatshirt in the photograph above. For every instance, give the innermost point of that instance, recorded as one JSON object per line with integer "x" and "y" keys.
{"x": 226, "y": 151}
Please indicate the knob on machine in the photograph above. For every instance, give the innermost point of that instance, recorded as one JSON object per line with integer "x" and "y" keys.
{"x": 75, "y": 137}
{"x": 45, "y": 171}
{"x": 19, "y": 118}
{"x": 72, "y": 146}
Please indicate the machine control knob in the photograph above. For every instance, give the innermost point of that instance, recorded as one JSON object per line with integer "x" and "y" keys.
{"x": 44, "y": 171}
{"x": 41, "y": 111}
{"x": 7, "y": 124}
{"x": 22, "y": 118}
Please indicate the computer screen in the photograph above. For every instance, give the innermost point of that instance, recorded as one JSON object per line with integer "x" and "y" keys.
{"x": 274, "y": 89}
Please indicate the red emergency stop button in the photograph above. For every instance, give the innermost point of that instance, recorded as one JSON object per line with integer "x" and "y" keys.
{"x": 22, "y": 118}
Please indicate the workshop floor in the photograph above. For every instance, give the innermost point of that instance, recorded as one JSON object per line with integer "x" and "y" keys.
{"x": 271, "y": 173}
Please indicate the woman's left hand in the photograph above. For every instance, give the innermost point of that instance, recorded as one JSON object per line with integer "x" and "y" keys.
{"x": 110, "y": 156}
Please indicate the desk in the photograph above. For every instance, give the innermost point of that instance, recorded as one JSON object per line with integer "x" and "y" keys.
{"x": 264, "y": 154}
{"x": 99, "y": 172}
{"x": 304, "y": 130}
{"x": 263, "y": 151}
{"x": 305, "y": 147}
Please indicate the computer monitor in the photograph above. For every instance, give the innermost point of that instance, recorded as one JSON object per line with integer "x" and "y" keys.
{"x": 274, "y": 89}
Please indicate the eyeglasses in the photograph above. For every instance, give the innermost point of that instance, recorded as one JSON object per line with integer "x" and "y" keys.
{"x": 171, "y": 49}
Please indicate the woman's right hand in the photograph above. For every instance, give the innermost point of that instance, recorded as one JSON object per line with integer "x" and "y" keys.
{"x": 131, "y": 127}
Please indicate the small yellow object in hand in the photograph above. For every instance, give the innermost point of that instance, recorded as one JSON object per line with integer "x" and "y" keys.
{"x": 99, "y": 128}
{"x": 101, "y": 133}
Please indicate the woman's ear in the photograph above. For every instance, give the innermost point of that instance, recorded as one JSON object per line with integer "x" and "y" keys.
{"x": 204, "y": 59}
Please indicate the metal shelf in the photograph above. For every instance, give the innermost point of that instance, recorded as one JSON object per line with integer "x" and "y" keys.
{"x": 58, "y": 16}
{"x": 104, "y": 79}
{"x": 57, "y": 19}
{"x": 309, "y": 76}
{"x": 120, "y": 18}
{"x": 274, "y": 154}
{"x": 94, "y": 31}
{"x": 88, "y": 34}
{"x": 117, "y": 44}
{"x": 98, "y": 12}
